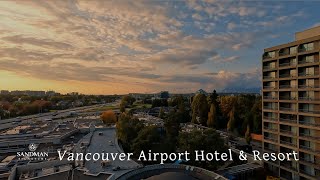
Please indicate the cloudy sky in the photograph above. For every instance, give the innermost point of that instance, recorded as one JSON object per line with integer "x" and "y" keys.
{"x": 107, "y": 47}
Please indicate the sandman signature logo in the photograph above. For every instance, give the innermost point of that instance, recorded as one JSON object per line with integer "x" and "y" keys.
{"x": 33, "y": 147}
{"x": 32, "y": 154}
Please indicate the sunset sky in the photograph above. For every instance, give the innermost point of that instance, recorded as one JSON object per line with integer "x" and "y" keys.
{"x": 116, "y": 47}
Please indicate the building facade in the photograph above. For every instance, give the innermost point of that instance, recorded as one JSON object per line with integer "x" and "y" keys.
{"x": 291, "y": 105}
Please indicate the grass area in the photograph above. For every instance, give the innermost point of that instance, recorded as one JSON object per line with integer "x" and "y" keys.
{"x": 140, "y": 106}
{"x": 114, "y": 107}
{"x": 104, "y": 108}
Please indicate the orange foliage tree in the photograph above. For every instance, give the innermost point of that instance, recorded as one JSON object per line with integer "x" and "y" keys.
{"x": 109, "y": 117}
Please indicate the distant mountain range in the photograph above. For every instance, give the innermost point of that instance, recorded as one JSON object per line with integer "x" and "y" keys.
{"x": 241, "y": 90}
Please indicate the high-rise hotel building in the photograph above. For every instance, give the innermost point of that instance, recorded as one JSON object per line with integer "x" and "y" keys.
{"x": 291, "y": 105}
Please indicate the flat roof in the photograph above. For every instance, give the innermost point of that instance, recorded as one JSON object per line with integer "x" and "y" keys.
{"x": 307, "y": 33}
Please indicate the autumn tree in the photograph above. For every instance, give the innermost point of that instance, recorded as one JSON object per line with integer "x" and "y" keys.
{"x": 248, "y": 135}
{"x": 212, "y": 115}
{"x": 108, "y": 117}
{"x": 231, "y": 122}
{"x": 226, "y": 104}
{"x": 199, "y": 109}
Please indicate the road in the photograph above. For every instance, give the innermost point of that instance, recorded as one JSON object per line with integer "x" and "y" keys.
{"x": 5, "y": 123}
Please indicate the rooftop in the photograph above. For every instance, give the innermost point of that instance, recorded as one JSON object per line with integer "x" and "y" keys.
{"x": 308, "y": 33}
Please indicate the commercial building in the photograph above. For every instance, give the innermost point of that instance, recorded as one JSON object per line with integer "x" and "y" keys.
{"x": 291, "y": 105}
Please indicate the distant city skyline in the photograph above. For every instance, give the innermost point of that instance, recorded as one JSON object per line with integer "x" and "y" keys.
{"x": 143, "y": 46}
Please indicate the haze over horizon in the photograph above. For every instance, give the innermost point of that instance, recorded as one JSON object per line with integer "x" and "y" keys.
{"x": 118, "y": 47}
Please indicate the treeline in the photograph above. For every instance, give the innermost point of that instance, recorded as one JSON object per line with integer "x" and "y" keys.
{"x": 237, "y": 114}
{"x": 136, "y": 137}
{"x": 13, "y": 105}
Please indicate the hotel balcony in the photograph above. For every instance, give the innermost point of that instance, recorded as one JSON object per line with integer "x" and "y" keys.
{"x": 309, "y": 123}
{"x": 270, "y": 118}
{"x": 288, "y": 51}
{"x": 308, "y": 86}
{"x": 272, "y": 129}
{"x": 306, "y": 62}
{"x": 287, "y": 75}
{"x": 269, "y": 55}
{"x": 314, "y": 175}
{"x": 288, "y": 132}
{"x": 309, "y": 134}
{"x": 273, "y": 139}
{"x": 269, "y": 68}
{"x": 287, "y": 98}
{"x": 287, "y": 65}
{"x": 288, "y": 120}
{"x": 289, "y": 165}
{"x": 305, "y": 47}
{"x": 269, "y": 87}
{"x": 309, "y": 111}
{"x": 287, "y": 87}
{"x": 308, "y": 99}
{"x": 287, "y": 109}
{"x": 268, "y": 78}
{"x": 291, "y": 144}
{"x": 270, "y": 108}
{"x": 308, "y": 75}
{"x": 308, "y": 148}
{"x": 314, "y": 162}
{"x": 270, "y": 97}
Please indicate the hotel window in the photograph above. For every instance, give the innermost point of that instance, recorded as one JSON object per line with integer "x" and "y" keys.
{"x": 309, "y": 59}
{"x": 310, "y": 71}
{"x": 307, "y": 47}
{"x": 272, "y": 54}
{"x": 293, "y": 50}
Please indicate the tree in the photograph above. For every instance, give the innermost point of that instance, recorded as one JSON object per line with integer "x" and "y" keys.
{"x": 127, "y": 101}
{"x": 172, "y": 128}
{"x": 226, "y": 104}
{"x": 146, "y": 140}
{"x": 199, "y": 109}
{"x": 161, "y": 113}
{"x": 257, "y": 116}
{"x": 177, "y": 100}
{"x": 212, "y": 115}
{"x": 122, "y": 107}
{"x": 213, "y": 98}
{"x": 248, "y": 135}
{"x": 128, "y": 128}
{"x": 108, "y": 117}
{"x": 159, "y": 103}
{"x": 208, "y": 140}
{"x": 231, "y": 122}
